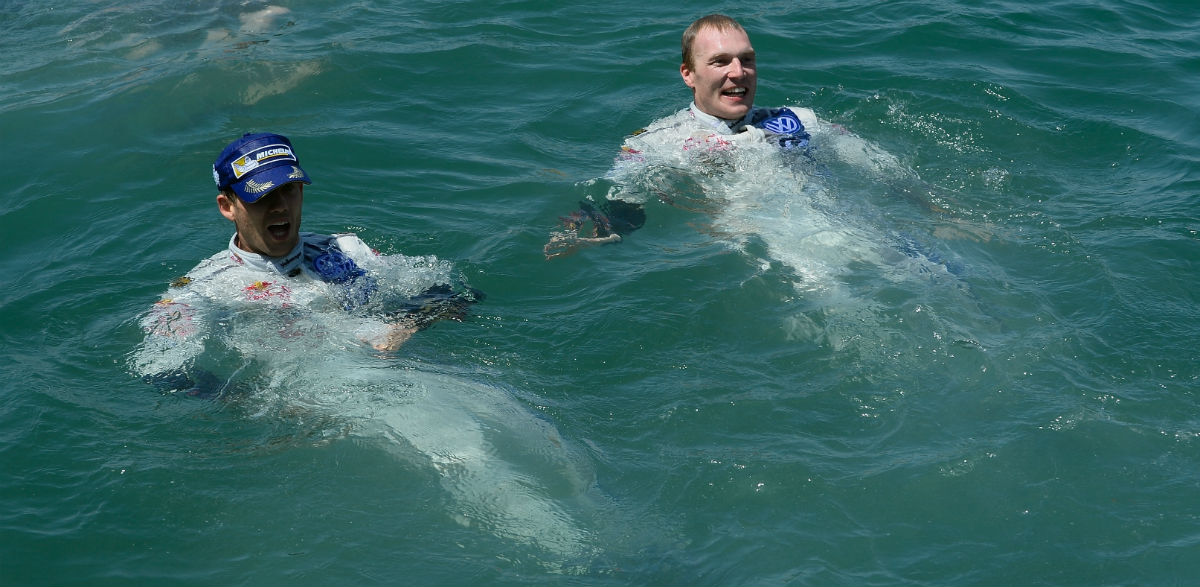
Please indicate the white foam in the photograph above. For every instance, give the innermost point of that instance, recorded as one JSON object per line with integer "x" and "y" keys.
{"x": 508, "y": 471}
{"x": 811, "y": 211}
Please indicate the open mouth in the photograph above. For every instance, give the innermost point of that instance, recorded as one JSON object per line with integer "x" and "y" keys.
{"x": 279, "y": 230}
{"x": 734, "y": 92}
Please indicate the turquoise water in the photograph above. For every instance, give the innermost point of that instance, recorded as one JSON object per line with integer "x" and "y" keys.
{"x": 1029, "y": 418}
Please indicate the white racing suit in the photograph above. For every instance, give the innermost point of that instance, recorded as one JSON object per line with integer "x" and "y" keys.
{"x": 328, "y": 289}
{"x": 690, "y": 137}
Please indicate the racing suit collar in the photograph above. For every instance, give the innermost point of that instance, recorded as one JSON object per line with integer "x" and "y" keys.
{"x": 721, "y": 124}
{"x": 288, "y": 265}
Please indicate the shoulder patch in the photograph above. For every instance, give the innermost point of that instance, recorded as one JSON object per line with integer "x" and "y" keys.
{"x": 786, "y": 126}
{"x": 784, "y": 122}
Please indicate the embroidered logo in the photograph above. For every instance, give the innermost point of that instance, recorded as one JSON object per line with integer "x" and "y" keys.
{"x": 784, "y": 124}
{"x": 787, "y": 127}
{"x": 258, "y": 187}
{"x": 335, "y": 266}
{"x": 171, "y": 318}
{"x": 251, "y": 161}
{"x": 263, "y": 290}
{"x": 712, "y": 142}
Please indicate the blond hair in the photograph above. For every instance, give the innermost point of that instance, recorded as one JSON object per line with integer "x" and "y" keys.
{"x": 719, "y": 22}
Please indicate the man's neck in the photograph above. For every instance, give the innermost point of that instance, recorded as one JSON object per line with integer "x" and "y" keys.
{"x": 288, "y": 264}
{"x": 714, "y": 121}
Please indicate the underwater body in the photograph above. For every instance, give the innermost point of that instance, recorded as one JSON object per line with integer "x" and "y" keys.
{"x": 302, "y": 348}
{"x": 960, "y": 352}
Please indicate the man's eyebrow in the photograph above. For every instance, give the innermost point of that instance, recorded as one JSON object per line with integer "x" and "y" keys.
{"x": 730, "y": 55}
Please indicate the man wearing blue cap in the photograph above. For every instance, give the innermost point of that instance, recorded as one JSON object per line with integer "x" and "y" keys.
{"x": 270, "y": 264}
{"x": 261, "y": 190}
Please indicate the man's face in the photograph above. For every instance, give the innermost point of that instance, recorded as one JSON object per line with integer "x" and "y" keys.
{"x": 722, "y": 73}
{"x": 269, "y": 226}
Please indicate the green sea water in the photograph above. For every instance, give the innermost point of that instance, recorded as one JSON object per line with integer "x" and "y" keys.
{"x": 1031, "y": 417}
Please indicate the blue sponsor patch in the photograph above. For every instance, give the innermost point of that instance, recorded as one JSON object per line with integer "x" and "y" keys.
{"x": 787, "y": 128}
{"x": 784, "y": 123}
{"x": 333, "y": 265}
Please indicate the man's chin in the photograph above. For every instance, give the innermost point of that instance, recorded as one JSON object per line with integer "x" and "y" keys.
{"x": 733, "y": 113}
{"x": 726, "y": 110}
{"x": 281, "y": 248}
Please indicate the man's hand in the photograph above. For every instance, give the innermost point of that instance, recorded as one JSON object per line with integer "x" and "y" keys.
{"x": 565, "y": 243}
{"x": 397, "y": 334}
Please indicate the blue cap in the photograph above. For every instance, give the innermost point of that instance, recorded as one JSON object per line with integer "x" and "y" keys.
{"x": 257, "y": 163}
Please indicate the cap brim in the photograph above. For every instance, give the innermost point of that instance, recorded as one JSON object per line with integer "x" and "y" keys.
{"x": 259, "y": 184}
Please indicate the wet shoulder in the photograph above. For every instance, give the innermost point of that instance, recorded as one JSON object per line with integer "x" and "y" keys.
{"x": 207, "y": 270}
{"x": 807, "y": 117}
{"x": 667, "y": 135}
{"x": 666, "y": 125}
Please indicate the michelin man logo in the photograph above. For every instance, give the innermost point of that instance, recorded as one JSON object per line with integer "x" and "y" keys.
{"x": 264, "y": 155}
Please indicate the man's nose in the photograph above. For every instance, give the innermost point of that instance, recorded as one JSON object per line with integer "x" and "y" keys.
{"x": 274, "y": 201}
{"x": 735, "y": 68}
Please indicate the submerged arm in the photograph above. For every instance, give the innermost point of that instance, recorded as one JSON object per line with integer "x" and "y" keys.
{"x": 595, "y": 224}
{"x": 175, "y": 329}
{"x": 440, "y": 302}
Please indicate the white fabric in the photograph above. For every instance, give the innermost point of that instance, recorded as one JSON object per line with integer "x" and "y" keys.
{"x": 234, "y": 281}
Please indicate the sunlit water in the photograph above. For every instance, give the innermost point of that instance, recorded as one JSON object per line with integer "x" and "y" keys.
{"x": 965, "y": 358}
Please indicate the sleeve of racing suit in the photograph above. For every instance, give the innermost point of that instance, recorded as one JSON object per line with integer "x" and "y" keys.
{"x": 175, "y": 329}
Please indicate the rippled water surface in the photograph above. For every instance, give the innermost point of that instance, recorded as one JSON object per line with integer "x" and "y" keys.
{"x": 975, "y": 365}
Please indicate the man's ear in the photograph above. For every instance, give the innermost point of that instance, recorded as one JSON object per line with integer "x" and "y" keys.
{"x": 686, "y": 74}
{"x": 225, "y": 205}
